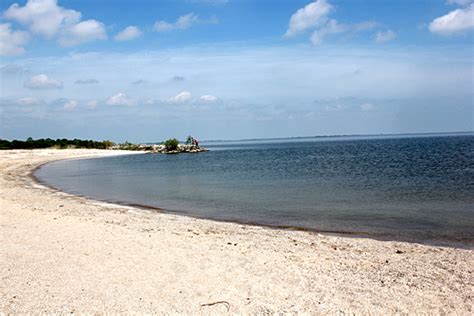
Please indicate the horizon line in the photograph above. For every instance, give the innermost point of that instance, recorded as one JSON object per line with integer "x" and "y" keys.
{"x": 338, "y": 135}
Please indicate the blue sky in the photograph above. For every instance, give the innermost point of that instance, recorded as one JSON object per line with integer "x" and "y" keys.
{"x": 148, "y": 70}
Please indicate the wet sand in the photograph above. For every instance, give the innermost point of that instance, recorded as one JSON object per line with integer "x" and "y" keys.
{"x": 63, "y": 253}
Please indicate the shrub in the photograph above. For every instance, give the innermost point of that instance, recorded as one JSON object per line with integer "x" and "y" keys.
{"x": 171, "y": 144}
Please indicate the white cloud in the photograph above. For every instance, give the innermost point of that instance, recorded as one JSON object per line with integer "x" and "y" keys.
{"x": 384, "y": 37}
{"x": 45, "y": 18}
{"x": 162, "y": 26}
{"x": 12, "y": 42}
{"x": 186, "y": 21}
{"x": 182, "y": 23}
{"x": 92, "y": 104}
{"x": 312, "y": 15}
{"x": 83, "y": 32}
{"x": 315, "y": 16}
{"x": 120, "y": 99}
{"x": 181, "y": 97}
{"x": 129, "y": 33}
{"x": 70, "y": 105}
{"x": 457, "y": 21}
{"x": 28, "y": 101}
{"x": 42, "y": 81}
{"x": 334, "y": 27}
{"x": 208, "y": 98}
{"x": 367, "y": 107}
{"x": 331, "y": 27}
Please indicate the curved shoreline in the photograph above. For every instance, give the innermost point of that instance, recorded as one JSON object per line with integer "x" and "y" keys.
{"x": 464, "y": 243}
{"x": 184, "y": 213}
{"x": 33, "y": 176}
{"x": 63, "y": 253}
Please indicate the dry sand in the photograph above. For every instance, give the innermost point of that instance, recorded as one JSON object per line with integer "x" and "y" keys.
{"x": 61, "y": 253}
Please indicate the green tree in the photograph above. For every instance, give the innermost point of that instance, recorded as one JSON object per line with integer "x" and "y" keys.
{"x": 189, "y": 140}
{"x": 108, "y": 144}
{"x": 171, "y": 144}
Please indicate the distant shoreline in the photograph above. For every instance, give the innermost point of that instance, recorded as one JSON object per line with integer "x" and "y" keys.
{"x": 339, "y": 136}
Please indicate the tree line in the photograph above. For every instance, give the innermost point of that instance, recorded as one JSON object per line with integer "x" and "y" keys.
{"x": 31, "y": 143}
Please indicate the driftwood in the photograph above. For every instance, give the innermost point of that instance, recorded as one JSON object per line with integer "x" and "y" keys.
{"x": 227, "y": 304}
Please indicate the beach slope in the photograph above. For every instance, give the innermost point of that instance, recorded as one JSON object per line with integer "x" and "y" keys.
{"x": 62, "y": 253}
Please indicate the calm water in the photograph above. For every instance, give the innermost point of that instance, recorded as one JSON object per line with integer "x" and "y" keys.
{"x": 401, "y": 187}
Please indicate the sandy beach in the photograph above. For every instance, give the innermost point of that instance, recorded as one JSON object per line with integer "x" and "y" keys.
{"x": 61, "y": 253}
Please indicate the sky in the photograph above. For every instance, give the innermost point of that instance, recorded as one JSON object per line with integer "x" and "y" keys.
{"x": 145, "y": 71}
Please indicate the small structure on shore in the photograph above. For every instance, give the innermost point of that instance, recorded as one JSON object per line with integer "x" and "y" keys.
{"x": 192, "y": 141}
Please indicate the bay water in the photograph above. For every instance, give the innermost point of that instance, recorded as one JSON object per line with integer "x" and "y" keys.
{"x": 403, "y": 187}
